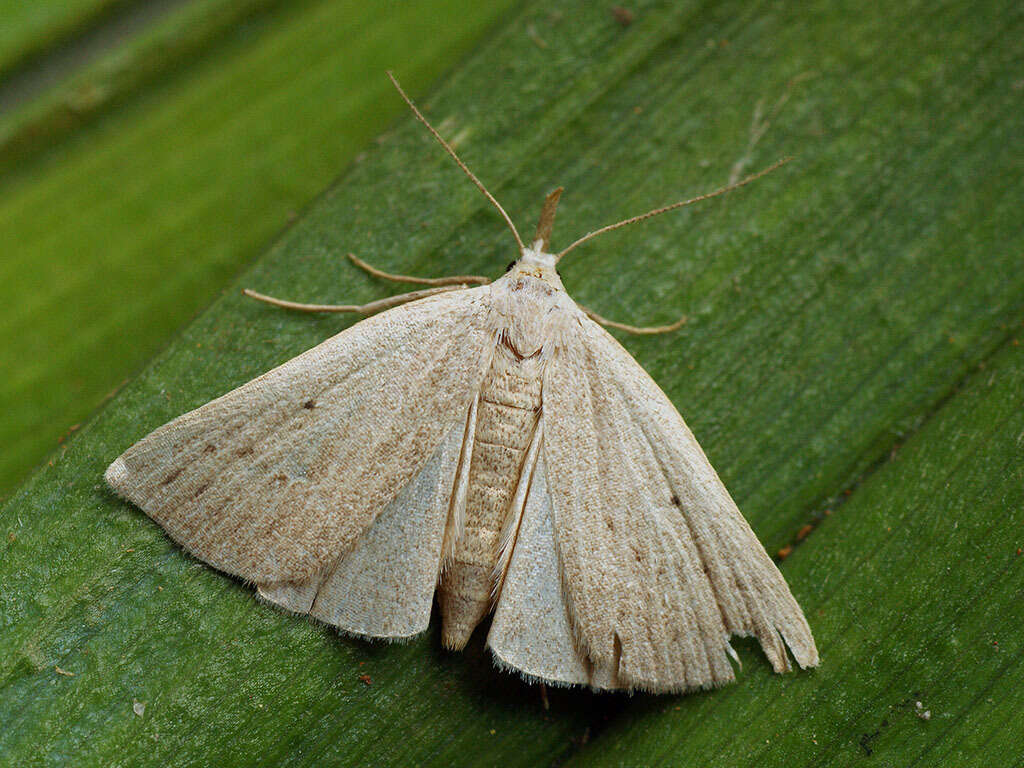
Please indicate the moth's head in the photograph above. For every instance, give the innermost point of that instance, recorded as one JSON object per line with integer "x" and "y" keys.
{"x": 534, "y": 259}
{"x": 535, "y": 262}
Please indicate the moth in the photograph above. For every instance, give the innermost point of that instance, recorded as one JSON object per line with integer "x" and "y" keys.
{"x": 491, "y": 444}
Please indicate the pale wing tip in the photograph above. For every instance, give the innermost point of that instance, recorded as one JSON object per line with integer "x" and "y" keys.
{"x": 777, "y": 640}
{"x": 116, "y": 476}
{"x": 564, "y": 679}
{"x": 300, "y": 600}
{"x": 291, "y": 597}
{"x": 801, "y": 645}
{"x": 807, "y": 656}
{"x": 529, "y": 676}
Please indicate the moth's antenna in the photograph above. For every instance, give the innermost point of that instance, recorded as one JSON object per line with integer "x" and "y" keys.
{"x": 462, "y": 165}
{"x": 667, "y": 208}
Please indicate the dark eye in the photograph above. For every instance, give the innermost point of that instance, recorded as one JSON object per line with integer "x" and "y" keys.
{"x": 510, "y": 265}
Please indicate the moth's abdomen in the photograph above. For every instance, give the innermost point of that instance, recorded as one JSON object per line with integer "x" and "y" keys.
{"x": 507, "y": 415}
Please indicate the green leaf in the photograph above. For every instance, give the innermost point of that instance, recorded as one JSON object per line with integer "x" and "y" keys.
{"x": 852, "y": 349}
{"x": 28, "y": 29}
{"x": 130, "y": 227}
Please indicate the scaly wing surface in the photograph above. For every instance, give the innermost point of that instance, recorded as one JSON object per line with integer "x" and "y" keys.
{"x": 276, "y": 481}
{"x": 658, "y": 565}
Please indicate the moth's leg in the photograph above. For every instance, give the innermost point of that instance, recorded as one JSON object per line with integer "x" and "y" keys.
{"x": 453, "y": 280}
{"x": 362, "y": 309}
{"x": 645, "y": 330}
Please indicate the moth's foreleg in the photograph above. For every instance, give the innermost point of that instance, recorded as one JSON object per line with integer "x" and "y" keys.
{"x": 452, "y": 280}
{"x": 361, "y": 309}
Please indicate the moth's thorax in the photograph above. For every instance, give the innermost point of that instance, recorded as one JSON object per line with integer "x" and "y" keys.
{"x": 534, "y": 262}
{"x": 531, "y": 301}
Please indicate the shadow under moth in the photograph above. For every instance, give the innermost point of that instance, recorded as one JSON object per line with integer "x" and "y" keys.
{"x": 490, "y": 443}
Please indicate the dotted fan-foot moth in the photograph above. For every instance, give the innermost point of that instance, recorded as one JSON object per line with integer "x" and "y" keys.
{"x": 490, "y": 443}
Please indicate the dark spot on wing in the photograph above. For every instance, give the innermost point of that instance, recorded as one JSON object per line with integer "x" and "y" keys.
{"x": 173, "y": 476}
{"x": 675, "y": 501}
{"x": 308, "y": 404}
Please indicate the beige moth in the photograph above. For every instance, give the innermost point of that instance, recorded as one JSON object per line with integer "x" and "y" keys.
{"x": 491, "y": 444}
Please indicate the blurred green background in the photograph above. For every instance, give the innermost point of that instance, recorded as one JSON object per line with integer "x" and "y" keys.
{"x": 852, "y": 363}
{"x": 177, "y": 140}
